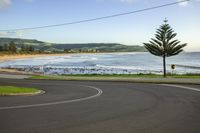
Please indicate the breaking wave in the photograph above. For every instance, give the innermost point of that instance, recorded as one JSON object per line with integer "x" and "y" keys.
{"x": 108, "y": 63}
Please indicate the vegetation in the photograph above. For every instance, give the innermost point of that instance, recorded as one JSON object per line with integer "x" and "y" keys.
{"x": 29, "y": 45}
{"x": 13, "y": 49}
{"x": 120, "y": 76}
{"x": 12, "y": 90}
{"x": 164, "y": 44}
{"x": 141, "y": 78}
{"x": 98, "y": 47}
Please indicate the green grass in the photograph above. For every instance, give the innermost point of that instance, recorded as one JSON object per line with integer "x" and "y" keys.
{"x": 94, "y": 76}
{"x": 188, "y": 75}
{"x": 112, "y": 76}
{"x": 185, "y": 76}
{"x": 9, "y": 90}
{"x": 141, "y": 78}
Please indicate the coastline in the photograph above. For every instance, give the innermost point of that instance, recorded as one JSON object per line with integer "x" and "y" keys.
{"x": 96, "y": 69}
{"x": 7, "y": 57}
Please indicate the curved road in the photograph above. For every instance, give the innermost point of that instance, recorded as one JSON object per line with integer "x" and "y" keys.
{"x": 101, "y": 107}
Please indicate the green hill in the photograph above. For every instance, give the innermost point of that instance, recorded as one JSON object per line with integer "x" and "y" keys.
{"x": 85, "y": 47}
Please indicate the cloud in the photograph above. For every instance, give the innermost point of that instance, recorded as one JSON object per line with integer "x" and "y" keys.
{"x": 5, "y": 3}
{"x": 183, "y": 3}
{"x": 8, "y": 33}
{"x": 3, "y": 34}
{"x": 18, "y": 33}
{"x": 186, "y": 3}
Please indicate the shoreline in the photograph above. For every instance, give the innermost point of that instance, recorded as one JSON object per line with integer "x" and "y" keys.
{"x": 26, "y": 70}
{"x": 7, "y": 57}
{"x": 10, "y": 57}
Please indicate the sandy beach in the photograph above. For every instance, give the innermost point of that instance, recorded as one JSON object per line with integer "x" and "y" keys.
{"x": 22, "y": 56}
{"x": 107, "y": 63}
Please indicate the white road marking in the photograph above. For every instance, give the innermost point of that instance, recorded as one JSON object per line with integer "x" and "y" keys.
{"x": 183, "y": 87}
{"x": 56, "y": 103}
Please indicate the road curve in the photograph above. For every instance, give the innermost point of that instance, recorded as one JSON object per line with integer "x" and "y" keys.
{"x": 101, "y": 107}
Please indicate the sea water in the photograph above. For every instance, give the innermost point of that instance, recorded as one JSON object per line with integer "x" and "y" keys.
{"x": 107, "y": 63}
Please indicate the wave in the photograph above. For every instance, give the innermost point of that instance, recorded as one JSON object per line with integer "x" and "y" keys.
{"x": 105, "y": 63}
{"x": 187, "y": 66}
{"x": 118, "y": 67}
{"x": 78, "y": 70}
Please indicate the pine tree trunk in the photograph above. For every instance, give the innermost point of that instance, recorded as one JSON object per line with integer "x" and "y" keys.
{"x": 164, "y": 66}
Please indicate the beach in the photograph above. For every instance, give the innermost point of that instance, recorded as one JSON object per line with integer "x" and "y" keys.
{"x": 101, "y": 63}
{"x": 8, "y": 57}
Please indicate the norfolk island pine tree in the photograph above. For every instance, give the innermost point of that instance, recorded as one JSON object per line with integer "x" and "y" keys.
{"x": 164, "y": 44}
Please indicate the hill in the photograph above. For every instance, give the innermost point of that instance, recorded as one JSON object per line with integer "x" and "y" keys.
{"x": 85, "y": 47}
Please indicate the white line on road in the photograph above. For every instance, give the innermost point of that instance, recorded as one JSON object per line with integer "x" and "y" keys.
{"x": 183, "y": 87}
{"x": 56, "y": 103}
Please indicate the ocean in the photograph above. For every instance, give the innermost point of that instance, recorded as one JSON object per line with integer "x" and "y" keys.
{"x": 107, "y": 63}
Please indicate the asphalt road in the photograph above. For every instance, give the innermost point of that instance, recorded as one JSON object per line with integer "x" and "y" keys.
{"x": 100, "y": 107}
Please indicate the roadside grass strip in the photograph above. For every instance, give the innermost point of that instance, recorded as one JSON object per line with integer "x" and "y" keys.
{"x": 175, "y": 79}
{"x": 113, "y": 76}
{"x": 13, "y": 90}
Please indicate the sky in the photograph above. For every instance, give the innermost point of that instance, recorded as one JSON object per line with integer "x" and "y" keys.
{"x": 133, "y": 29}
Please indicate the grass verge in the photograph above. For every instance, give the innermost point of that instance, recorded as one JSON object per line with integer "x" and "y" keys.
{"x": 142, "y": 78}
{"x": 13, "y": 90}
{"x": 99, "y": 76}
{"x": 93, "y": 76}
